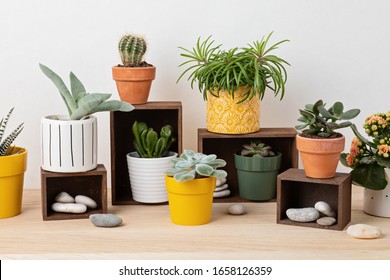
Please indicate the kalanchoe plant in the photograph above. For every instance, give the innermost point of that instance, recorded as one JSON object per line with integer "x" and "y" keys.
{"x": 257, "y": 149}
{"x": 323, "y": 122}
{"x": 5, "y": 145}
{"x": 368, "y": 159}
{"x": 80, "y": 103}
{"x": 132, "y": 49}
{"x": 191, "y": 165}
{"x": 148, "y": 143}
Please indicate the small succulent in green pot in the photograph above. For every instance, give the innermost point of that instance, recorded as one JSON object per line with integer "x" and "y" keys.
{"x": 191, "y": 165}
{"x": 148, "y": 143}
{"x": 257, "y": 149}
{"x": 5, "y": 144}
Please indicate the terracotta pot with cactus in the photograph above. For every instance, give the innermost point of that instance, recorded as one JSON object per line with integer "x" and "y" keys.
{"x": 134, "y": 77}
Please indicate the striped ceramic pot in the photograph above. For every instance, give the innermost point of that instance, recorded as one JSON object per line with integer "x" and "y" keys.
{"x": 68, "y": 145}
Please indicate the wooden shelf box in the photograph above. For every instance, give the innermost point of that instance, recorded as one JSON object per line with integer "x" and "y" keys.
{"x": 295, "y": 190}
{"x": 156, "y": 115}
{"x": 225, "y": 145}
{"x": 92, "y": 184}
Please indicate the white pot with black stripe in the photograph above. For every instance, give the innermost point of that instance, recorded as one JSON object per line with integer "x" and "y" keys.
{"x": 68, "y": 145}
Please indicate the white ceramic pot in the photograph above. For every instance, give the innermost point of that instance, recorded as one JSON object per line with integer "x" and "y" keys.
{"x": 68, "y": 145}
{"x": 147, "y": 177}
{"x": 377, "y": 203}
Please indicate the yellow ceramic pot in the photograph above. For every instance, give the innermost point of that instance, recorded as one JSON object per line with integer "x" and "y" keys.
{"x": 190, "y": 202}
{"x": 224, "y": 115}
{"x": 12, "y": 170}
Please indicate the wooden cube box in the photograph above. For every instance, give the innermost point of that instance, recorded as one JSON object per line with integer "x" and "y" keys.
{"x": 92, "y": 184}
{"x": 295, "y": 190}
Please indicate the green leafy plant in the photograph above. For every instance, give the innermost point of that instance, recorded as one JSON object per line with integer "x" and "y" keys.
{"x": 321, "y": 121}
{"x": 369, "y": 158}
{"x": 131, "y": 49}
{"x": 80, "y": 103}
{"x": 257, "y": 149}
{"x": 5, "y": 145}
{"x": 148, "y": 143}
{"x": 253, "y": 67}
{"x": 191, "y": 165}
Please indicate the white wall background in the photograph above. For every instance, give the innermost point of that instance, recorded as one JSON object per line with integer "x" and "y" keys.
{"x": 338, "y": 51}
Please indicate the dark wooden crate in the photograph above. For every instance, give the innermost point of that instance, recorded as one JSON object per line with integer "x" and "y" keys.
{"x": 156, "y": 115}
{"x": 295, "y": 190}
{"x": 225, "y": 145}
{"x": 92, "y": 184}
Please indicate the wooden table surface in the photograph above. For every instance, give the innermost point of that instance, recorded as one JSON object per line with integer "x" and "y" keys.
{"x": 147, "y": 233}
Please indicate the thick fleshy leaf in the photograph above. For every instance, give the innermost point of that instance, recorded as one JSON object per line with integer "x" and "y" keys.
{"x": 113, "y": 105}
{"x": 350, "y": 114}
{"x": 370, "y": 176}
{"x": 219, "y": 173}
{"x": 184, "y": 176}
{"x": 204, "y": 169}
{"x": 87, "y": 104}
{"x": 338, "y": 108}
{"x": 76, "y": 86}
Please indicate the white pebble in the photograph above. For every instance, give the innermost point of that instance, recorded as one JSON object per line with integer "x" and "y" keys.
{"x": 69, "y": 207}
{"x": 325, "y": 209}
{"x": 223, "y": 193}
{"x": 221, "y": 188}
{"x": 326, "y": 221}
{"x": 237, "y": 209}
{"x": 89, "y": 202}
{"x": 363, "y": 231}
{"x": 303, "y": 215}
{"x": 64, "y": 197}
{"x": 220, "y": 181}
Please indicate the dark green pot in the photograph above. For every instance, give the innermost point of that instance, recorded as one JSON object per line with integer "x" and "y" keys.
{"x": 257, "y": 176}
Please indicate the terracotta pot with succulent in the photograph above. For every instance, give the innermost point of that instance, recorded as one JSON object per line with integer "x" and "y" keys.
{"x": 69, "y": 142}
{"x": 148, "y": 163}
{"x": 13, "y": 164}
{"x": 257, "y": 170}
{"x": 319, "y": 145}
{"x": 134, "y": 77}
{"x": 234, "y": 81}
{"x": 190, "y": 182}
{"x": 370, "y": 163}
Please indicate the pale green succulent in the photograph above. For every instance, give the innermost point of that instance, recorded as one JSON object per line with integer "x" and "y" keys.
{"x": 5, "y": 145}
{"x": 80, "y": 103}
{"x": 191, "y": 165}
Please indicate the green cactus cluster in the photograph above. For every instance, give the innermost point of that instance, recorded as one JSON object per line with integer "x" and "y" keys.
{"x": 131, "y": 49}
{"x": 80, "y": 103}
{"x": 5, "y": 145}
{"x": 257, "y": 149}
{"x": 148, "y": 143}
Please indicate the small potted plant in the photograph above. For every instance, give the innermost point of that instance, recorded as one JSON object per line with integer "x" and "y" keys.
{"x": 190, "y": 182}
{"x": 13, "y": 164}
{"x": 69, "y": 142}
{"x": 370, "y": 163}
{"x": 318, "y": 143}
{"x": 134, "y": 77}
{"x": 148, "y": 163}
{"x": 257, "y": 169}
{"x": 234, "y": 81}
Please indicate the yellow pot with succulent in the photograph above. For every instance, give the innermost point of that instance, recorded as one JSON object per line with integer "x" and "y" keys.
{"x": 234, "y": 81}
{"x": 13, "y": 164}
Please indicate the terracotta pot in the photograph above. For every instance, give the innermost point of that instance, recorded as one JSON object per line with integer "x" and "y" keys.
{"x": 320, "y": 157}
{"x": 224, "y": 115}
{"x": 134, "y": 83}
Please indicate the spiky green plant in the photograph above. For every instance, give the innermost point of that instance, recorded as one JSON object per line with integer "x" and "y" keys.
{"x": 257, "y": 149}
{"x": 253, "y": 67}
{"x": 80, "y": 103}
{"x": 5, "y": 145}
{"x": 131, "y": 49}
{"x": 191, "y": 165}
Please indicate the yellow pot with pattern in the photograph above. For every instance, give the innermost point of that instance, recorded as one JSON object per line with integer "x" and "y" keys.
{"x": 225, "y": 115}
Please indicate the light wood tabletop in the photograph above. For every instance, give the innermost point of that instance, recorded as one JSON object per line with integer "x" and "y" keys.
{"x": 147, "y": 233}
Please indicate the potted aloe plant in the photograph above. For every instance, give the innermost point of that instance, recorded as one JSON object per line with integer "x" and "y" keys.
{"x": 69, "y": 142}
{"x": 234, "y": 81}
{"x": 370, "y": 163}
{"x": 134, "y": 77}
{"x": 190, "y": 182}
{"x": 318, "y": 143}
{"x": 13, "y": 164}
{"x": 257, "y": 169}
{"x": 147, "y": 164}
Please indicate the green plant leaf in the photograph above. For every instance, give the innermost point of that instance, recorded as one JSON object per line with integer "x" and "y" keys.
{"x": 151, "y": 141}
{"x": 76, "y": 86}
{"x": 204, "y": 169}
{"x": 338, "y": 108}
{"x": 184, "y": 176}
{"x": 219, "y": 173}
{"x": 370, "y": 176}
{"x": 87, "y": 104}
{"x": 350, "y": 114}
{"x": 113, "y": 105}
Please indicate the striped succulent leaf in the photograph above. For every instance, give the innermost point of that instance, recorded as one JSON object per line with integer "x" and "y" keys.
{"x": 4, "y": 145}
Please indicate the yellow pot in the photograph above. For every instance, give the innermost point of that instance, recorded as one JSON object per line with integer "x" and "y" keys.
{"x": 190, "y": 202}
{"x": 12, "y": 170}
{"x": 224, "y": 115}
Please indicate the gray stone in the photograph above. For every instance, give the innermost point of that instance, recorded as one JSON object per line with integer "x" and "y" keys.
{"x": 221, "y": 188}
{"x": 223, "y": 193}
{"x": 220, "y": 181}
{"x": 326, "y": 221}
{"x": 363, "y": 231}
{"x": 237, "y": 209}
{"x": 303, "y": 215}
{"x": 105, "y": 220}
{"x": 76, "y": 208}
{"x": 89, "y": 202}
{"x": 64, "y": 197}
{"x": 325, "y": 209}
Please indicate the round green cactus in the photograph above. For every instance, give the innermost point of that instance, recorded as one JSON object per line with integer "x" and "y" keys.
{"x": 131, "y": 49}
